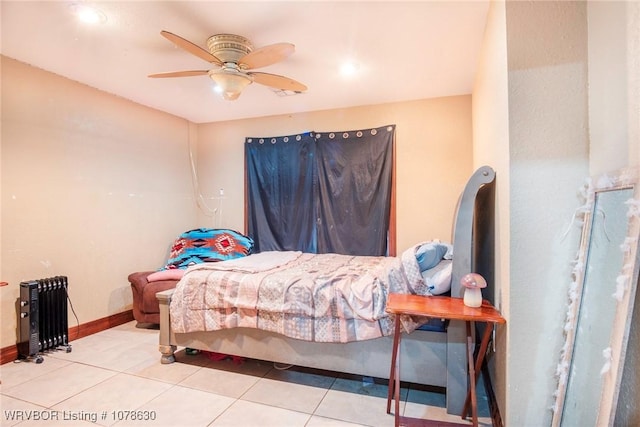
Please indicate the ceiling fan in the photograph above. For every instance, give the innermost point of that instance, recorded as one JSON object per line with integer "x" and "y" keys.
{"x": 234, "y": 57}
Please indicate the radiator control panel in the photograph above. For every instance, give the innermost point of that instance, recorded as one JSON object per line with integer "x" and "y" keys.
{"x": 29, "y": 322}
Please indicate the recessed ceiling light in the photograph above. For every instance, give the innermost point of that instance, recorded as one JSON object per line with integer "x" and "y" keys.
{"x": 349, "y": 68}
{"x": 88, "y": 14}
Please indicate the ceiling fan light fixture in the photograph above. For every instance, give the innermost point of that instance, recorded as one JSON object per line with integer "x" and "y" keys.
{"x": 235, "y": 57}
{"x": 230, "y": 83}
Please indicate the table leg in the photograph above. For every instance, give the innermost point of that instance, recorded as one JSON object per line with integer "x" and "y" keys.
{"x": 472, "y": 380}
{"x": 478, "y": 365}
{"x": 394, "y": 374}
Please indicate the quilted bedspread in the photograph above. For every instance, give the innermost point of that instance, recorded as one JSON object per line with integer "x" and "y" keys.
{"x": 311, "y": 297}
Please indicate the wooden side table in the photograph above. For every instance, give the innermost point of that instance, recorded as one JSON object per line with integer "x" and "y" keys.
{"x": 441, "y": 308}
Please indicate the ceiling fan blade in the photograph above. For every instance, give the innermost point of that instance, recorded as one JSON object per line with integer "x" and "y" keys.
{"x": 180, "y": 74}
{"x": 278, "y": 82}
{"x": 190, "y": 47}
{"x": 266, "y": 55}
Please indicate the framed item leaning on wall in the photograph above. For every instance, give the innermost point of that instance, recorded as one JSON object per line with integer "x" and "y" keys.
{"x": 601, "y": 300}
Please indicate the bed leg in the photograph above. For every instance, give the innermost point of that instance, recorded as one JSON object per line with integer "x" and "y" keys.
{"x": 164, "y": 338}
{"x": 167, "y": 354}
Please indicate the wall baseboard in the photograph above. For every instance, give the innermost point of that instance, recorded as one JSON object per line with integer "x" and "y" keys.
{"x": 9, "y": 354}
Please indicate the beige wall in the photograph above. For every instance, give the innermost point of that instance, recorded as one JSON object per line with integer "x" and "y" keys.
{"x": 548, "y": 144}
{"x": 94, "y": 187}
{"x": 434, "y": 159}
{"x": 608, "y": 87}
{"x": 491, "y": 147}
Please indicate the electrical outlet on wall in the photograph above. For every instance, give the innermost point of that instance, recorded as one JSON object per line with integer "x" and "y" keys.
{"x": 220, "y": 196}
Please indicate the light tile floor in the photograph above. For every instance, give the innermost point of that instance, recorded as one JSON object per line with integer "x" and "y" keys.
{"x": 115, "y": 378}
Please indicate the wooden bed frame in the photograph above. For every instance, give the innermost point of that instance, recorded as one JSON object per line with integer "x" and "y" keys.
{"x": 431, "y": 358}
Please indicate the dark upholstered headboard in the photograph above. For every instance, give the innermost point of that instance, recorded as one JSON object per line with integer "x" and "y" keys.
{"x": 473, "y": 252}
{"x": 473, "y": 232}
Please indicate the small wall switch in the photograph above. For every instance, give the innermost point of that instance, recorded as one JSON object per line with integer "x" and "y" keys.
{"x": 222, "y": 191}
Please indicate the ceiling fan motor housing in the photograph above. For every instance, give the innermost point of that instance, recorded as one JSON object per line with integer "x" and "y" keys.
{"x": 229, "y": 47}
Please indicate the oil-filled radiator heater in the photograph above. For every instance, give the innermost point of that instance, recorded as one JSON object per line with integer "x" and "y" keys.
{"x": 43, "y": 322}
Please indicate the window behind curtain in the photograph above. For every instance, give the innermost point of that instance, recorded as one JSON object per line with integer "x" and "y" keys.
{"x": 321, "y": 192}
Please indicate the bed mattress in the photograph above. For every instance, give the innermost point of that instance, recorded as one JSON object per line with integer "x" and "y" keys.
{"x": 311, "y": 297}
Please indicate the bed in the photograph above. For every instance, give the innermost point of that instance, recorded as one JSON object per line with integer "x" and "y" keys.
{"x": 239, "y": 319}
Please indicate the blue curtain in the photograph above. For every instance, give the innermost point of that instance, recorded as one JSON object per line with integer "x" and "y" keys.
{"x": 321, "y": 192}
{"x": 281, "y": 207}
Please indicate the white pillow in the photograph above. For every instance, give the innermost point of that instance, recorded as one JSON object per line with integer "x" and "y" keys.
{"x": 170, "y": 274}
{"x": 438, "y": 278}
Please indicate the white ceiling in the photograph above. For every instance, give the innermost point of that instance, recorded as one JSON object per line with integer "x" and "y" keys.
{"x": 405, "y": 50}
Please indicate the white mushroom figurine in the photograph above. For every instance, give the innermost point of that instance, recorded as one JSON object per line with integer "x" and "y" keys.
{"x": 473, "y": 283}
